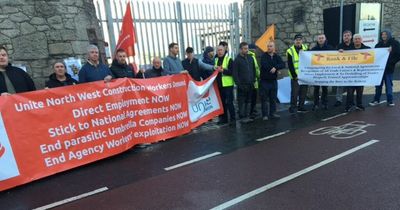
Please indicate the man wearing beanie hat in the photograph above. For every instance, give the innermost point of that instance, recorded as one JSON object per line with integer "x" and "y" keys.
{"x": 298, "y": 91}
{"x": 207, "y": 62}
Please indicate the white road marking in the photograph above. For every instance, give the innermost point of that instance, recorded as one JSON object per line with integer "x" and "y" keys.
{"x": 333, "y": 117}
{"x": 192, "y": 161}
{"x": 345, "y": 131}
{"x": 384, "y": 101}
{"x": 291, "y": 177}
{"x": 273, "y": 136}
{"x": 71, "y": 199}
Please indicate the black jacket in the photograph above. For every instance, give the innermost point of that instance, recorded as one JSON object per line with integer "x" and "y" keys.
{"x": 326, "y": 46}
{"x": 226, "y": 72}
{"x": 343, "y": 46}
{"x": 121, "y": 70}
{"x": 363, "y": 46}
{"x": 267, "y": 63}
{"x": 193, "y": 68}
{"x": 150, "y": 73}
{"x": 244, "y": 70}
{"x": 394, "y": 55}
{"x": 54, "y": 82}
{"x": 19, "y": 78}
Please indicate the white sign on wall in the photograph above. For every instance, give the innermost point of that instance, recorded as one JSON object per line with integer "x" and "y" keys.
{"x": 369, "y": 31}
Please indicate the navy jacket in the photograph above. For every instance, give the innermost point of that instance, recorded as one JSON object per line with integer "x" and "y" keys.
{"x": 151, "y": 73}
{"x": 193, "y": 68}
{"x": 267, "y": 63}
{"x": 91, "y": 73}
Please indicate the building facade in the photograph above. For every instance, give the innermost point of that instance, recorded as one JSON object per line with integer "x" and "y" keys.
{"x": 307, "y": 17}
{"x": 37, "y": 33}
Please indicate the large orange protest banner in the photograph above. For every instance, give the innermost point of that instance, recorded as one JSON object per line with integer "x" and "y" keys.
{"x": 49, "y": 131}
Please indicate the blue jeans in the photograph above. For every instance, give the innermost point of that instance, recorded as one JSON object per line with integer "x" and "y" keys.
{"x": 388, "y": 80}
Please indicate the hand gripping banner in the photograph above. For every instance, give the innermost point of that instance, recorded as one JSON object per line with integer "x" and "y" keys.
{"x": 48, "y": 131}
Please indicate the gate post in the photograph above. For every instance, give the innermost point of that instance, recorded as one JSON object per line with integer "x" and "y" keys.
{"x": 235, "y": 34}
{"x": 180, "y": 29}
{"x": 110, "y": 25}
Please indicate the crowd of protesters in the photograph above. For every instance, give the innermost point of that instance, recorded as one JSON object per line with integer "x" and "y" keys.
{"x": 251, "y": 76}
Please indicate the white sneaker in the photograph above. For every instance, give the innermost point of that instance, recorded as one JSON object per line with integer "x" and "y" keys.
{"x": 390, "y": 104}
{"x": 374, "y": 103}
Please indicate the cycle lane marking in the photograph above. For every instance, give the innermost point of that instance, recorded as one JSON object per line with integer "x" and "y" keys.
{"x": 283, "y": 180}
{"x": 71, "y": 199}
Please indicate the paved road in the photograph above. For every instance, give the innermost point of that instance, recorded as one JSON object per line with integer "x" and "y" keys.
{"x": 367, "y": 178}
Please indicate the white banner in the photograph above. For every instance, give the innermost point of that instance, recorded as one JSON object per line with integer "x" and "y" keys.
{"x": 348, "y": 68}
{"x": 8, "y": 165}
{"x": 203, "y": 99}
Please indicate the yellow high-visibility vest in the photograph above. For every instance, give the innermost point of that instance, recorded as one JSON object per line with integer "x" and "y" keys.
{"x": 253, "y": 55}
{"x": 227, "y": 81}
{"x": 295, "y": 57}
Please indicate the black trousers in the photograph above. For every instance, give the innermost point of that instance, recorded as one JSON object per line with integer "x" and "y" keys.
{"x": 350, "y": 95}
{"x": 244, "y": 93}
{"x": 268, "y": 92}
{"x": 253, "y": 100}
{"x": 324, "y": 96}
{"x": 227, "y": 103}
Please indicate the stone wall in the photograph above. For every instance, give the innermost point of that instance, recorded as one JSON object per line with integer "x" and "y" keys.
{"x": 285, "y": 13}
{"x": 38, "y": 32}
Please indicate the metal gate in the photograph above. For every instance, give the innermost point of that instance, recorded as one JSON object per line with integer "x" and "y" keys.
{"x": 159, "y": 23}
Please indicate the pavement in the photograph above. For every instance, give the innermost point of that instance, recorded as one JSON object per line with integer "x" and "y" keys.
{"x": 316, "y": 160}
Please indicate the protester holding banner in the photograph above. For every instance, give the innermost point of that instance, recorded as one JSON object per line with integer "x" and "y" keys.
{"x": 358, "y": 45}
{"x": 297, "y": 91}
{"x": 60, "y": 77}
{"x": 252, "y": 52}
{"x": 119, "y": 66}
{"x": 225, "y": 85}
{"x": 172, "y": 64}
{"x": 386, "y": 40}
{"x": 347, "y": 44}
{"x": 191, "y": 64}
{"x": 244, "y": 75}
{"x": 93, "y": 70}
{"x": 322, "y": 45}
{"x": 207, "y": 62}
{"x": 271, "y": 63}
{"x": 13, "y": 79}
{"x": 155, "y": 71}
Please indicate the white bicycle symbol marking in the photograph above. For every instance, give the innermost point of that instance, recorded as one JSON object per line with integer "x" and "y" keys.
{"x": 346, "y": 131}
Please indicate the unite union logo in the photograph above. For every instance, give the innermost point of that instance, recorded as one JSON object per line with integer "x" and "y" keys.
{"x": 2, "y": 150}
{"x": 8, "y": 164}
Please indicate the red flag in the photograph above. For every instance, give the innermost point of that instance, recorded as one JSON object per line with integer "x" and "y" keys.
{"x": 126, "y": 38}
